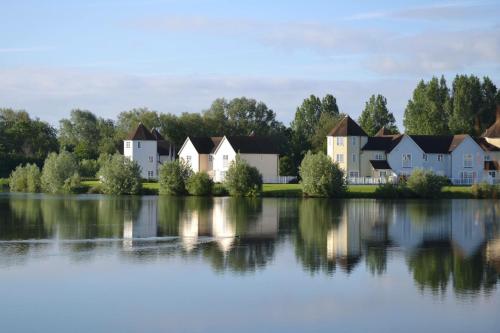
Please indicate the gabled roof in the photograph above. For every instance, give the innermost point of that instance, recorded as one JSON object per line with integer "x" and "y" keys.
{"x": 254, "y": 144}
{"x": 141, "y": 133}
{"x": 380, "y": 165}
{"x": 494, "y": 130}
{"x": 347, "y": 127}
{"x": 486, "y": 145}
{"x": 383, "y": 143}
{"x": 384, "y": 132}
{"x": 205, "y": 145}
{"x": 157, "y": 134}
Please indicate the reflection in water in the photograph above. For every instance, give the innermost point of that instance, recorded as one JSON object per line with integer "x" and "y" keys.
{"x": 444, "y": 243}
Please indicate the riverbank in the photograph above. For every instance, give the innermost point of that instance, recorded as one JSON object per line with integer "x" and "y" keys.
{"x": 295, "y": 190}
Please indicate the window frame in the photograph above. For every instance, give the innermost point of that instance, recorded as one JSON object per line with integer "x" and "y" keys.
{"x": 404, "y": 158}
{"x": 467, "y": 159}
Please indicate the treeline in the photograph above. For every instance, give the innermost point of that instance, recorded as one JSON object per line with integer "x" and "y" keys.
{"x": 468, "y": 107}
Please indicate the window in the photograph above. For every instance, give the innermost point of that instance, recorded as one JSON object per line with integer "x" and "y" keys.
{"x": 468, "y": 175}
{"x": 340, "y": 141}
{"x": 379, "y": 157}
{"x": 406, "y": 160}
{"x": 440, "y": 157}
{"x": 353, "y": 174}
{"x": 150, "y": 174}
{"x": 492, "y": 174}
{"x": 139, "y": 144}
{"x": 486, "y": 157}
{"x": 127, "y": 144}
{"x": 339, "y": 158}
{"x": 354, "y": 157}
{"x": 353, "y": 140}
{"x": 383, "y": 173}
{"x": 225, "y": 161}
{"x": 467, "y": 160}
{"x": 188, "y": 159}
{"x": 210, "y": 158}
{"x": 424, "y": 156}
{"x": 151, "y": 159}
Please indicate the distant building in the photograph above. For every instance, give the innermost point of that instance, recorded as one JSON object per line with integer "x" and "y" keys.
{"x": 149, "y": 150}
{"x": 213, "y": 155}
{"x": 462, "y": 158}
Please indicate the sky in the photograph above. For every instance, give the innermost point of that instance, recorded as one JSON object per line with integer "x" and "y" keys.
{"x": 178, "y": 56}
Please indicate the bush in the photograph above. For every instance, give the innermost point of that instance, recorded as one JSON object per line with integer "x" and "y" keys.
{"x": 60, "y": 173}
{"x": 426, "y": 184}
{"x": 173, "y": 177}
{"x": 392, "y": 191}
{"x": 242, "y": 180}
{"x": 120, "y": 175}
{"x": 219, "y": 190}
{"x": 25, "y": 179}
{"x": 321, "y": 177}
{"x": 88, "y": 168}
{"x": 200, "y": 183}
{"x": 485, "y": 191}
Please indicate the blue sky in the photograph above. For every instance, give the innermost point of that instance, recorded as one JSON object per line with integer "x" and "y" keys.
{"x": 177, "y": 56}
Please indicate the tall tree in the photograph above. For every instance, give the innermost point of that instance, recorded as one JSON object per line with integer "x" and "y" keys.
{"x": 376, "y": 115}
{"x": 426, "y": 113}
{"x": 489, "y": 102}
{"x": 128, "y": 120}
{"x": 465, "y": 105}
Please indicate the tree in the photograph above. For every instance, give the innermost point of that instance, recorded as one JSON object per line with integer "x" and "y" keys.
{"x": 120, "y": 175}
{"x": 25, "y": 179}
{"x": 287, "y": 167}
{"x": 173, "y": 177}
{"x": 128, "y": 121}
{"x": 60, "y": 173}
{"x": 321, "y": 177}
{"x": 199, "y": 183}
{"x": 426, "y": 113}
{"x": 80, "y": 134}
{"x": 465, "y": 105}
{"x": 376, "y": 115}
{"x": 489, "y": 102}
{"x": 242, "y": 180}
{"x": 426, "y": 184}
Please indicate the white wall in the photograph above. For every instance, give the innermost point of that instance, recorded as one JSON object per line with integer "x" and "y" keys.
{"x": 468, "y": 145}
{"x": 219, "y": 169}
{"x": 141, "y": 155}
{"x": 189, "y": 150}
{"x": 442, "y": 167}
{"x": 406, "y": 145}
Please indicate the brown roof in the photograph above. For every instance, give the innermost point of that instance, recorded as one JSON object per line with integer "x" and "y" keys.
{"x": 205, "y": 145}
{"x": 384, "y": 143}
{"x": 494, "y": 130}
{"x": 384, "y": 132}
{"x": 347, "y": 127}
{"x": 380, "y": 165}
{"x": 157, "y": 134}
{"x": 254, "y": 144}
{"x": 491, "y": 165}
{"x": 141, "y": 133}
{"x": 486, "y": 145}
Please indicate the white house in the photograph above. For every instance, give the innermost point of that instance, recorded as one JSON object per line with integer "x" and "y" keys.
{"x": 148, "y": 149}
{"x": 385, "y": 157}
{"x": 214, "y": 155}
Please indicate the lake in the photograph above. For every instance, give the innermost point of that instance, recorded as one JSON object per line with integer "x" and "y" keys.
{"x": 95, "y": 263}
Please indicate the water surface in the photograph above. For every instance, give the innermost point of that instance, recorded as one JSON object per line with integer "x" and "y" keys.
{"x": 93, "y": 263}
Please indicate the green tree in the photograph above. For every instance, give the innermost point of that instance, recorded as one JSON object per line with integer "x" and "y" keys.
{"x": 199, "y": 183}
{"x": 321, "y": 177}
{"x": 80, "y": 134}
{"x": 128, "y": 121}
{"x": 25, "y": 179}
{"x": 242, "y": 180}
{"x": 173, "y": 177}
{"x": 287, "y": 167}
{"x": 426, "y": 184}
{"x": 120, "y": 175}
{"x": 465, "y": 105}
{"x": 60, "y": 173}
{"x": 376, "y": 115}
{"x": 426, "y": 113}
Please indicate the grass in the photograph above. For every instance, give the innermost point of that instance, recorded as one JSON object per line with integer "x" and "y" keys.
{"x": 295, "y": 190}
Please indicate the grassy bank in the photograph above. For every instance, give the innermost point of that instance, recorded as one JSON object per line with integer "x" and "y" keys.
{"x": 295, "y": 190}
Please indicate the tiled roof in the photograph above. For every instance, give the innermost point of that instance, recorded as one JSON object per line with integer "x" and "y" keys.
{"x": 383, "y": 143}
{"x": 384, "y": 132}
{"x": 347, "y": 127}
{"x": 486, "y": 145}
{"x": 254, "y": 144}
{"x": 493, "y": 131}
{"x": 380, "y": 165}
{"x": 141, "y": 133}
{"x": 205, "y": 145}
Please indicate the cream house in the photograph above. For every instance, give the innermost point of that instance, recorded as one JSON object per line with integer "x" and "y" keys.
{"x": 386, "y": 157}
{"x": 214, "y": 155}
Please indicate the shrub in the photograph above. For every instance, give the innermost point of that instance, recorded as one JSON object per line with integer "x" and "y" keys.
{"x": 321, "y": 177}
{"x": 25, "y": 179}
{"x": 426, "y": 184}
{"x": 88, "y": 168}
{"x": 57, "y": 169}
{"x": 173, "y": 177}
{"x": 200, "y": 183}
{"x": 219, "y": 190}
{"x": 485, "y": 191}
{"x": 242, "y": 180}
{"x": 392, "y": 191}
{"x": 120, "y": 175}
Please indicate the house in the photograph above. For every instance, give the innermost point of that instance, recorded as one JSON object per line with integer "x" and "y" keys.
{"x": 148, "y": 149}
{"x": 213, "y": 155}
{"x": 385, "y": 156}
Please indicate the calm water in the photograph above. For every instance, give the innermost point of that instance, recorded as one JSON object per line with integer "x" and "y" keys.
{"x": 95, "y": 263}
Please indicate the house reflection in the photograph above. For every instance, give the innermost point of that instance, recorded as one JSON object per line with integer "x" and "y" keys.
{"x": 140, "y": 223}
